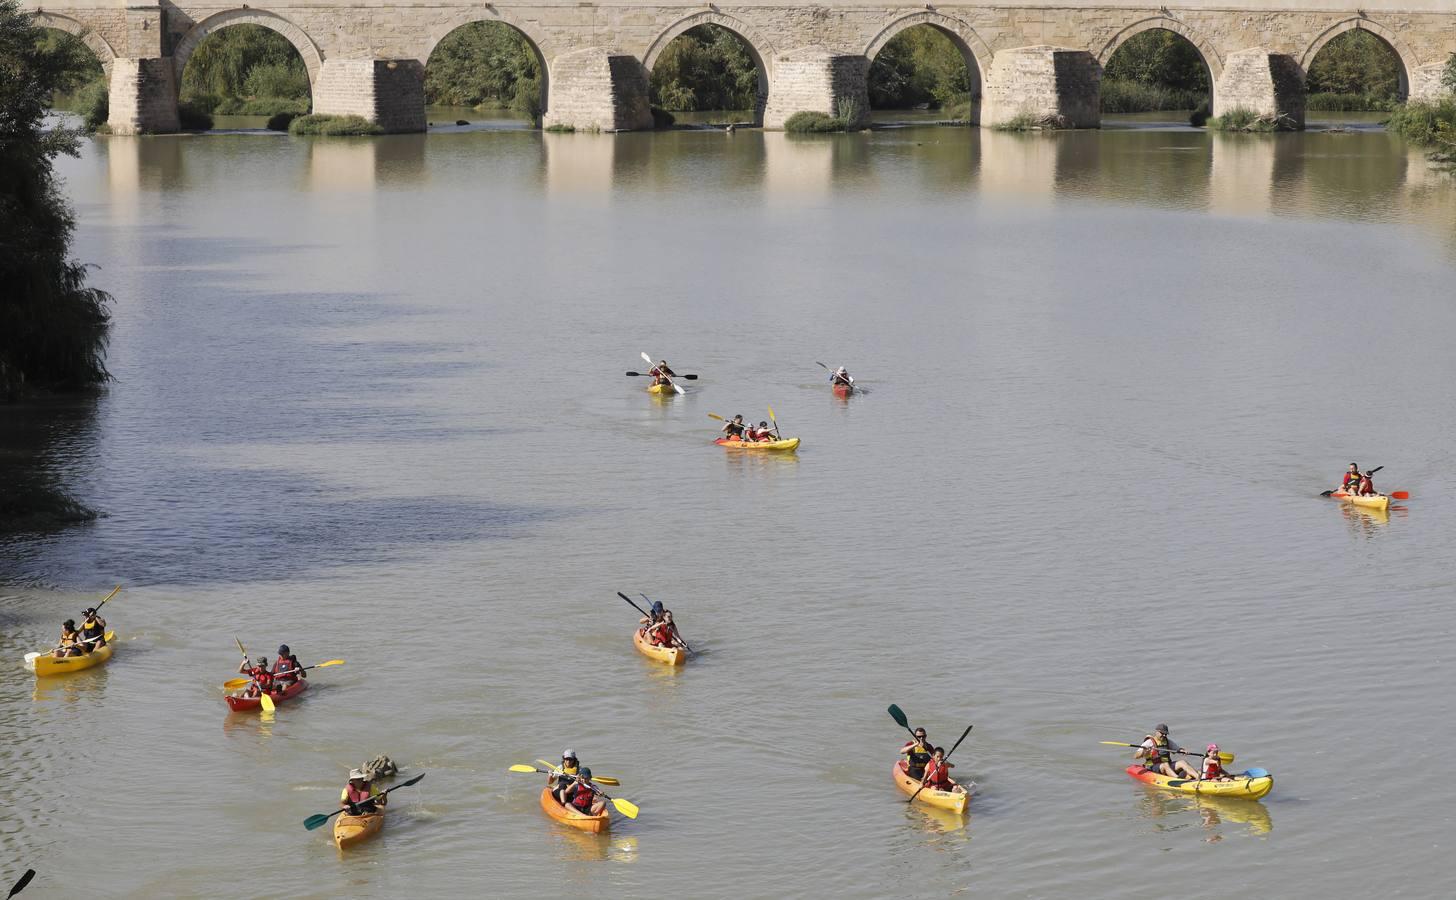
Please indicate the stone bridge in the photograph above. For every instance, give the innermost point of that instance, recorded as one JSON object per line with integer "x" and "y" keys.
{"x": 1038, "y": 57}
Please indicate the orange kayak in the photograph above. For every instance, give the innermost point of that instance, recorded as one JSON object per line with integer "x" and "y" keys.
{"x": 672, "y": 656}
{"x": 955, "y": 801}
{"x": 595, "y": 824}
{"x": 350, "y": 830}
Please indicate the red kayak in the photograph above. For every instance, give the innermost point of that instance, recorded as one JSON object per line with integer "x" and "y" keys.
{"x": 249, "y": 704}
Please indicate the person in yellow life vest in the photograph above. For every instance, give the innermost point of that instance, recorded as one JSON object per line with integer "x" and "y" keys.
{"x": 917, "y": 753}
{"x": 1157, "y": 752}
{"x": 70, "y": 642}
{"x": 570, "y": 768}
{"x": 358, "y": 795}
{"x": 93, "y": 630}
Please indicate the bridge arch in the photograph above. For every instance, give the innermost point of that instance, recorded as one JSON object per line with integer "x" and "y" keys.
{"x": 1406, "y": 59}
{"x": 1211, "y": 60}
{"x": 313, "y": 59}
{"x": 460, "y": 19}
{"x": 975, "y": 51}
{"x": 760, "y": 49}
{"x": 103, "y": 50}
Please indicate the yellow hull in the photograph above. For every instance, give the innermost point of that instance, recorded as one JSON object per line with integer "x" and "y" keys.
{"x": 45, "y": 665}
{"x": 662, "y": 389}
{"x": 786, "y": 444}
{"x": 576, "y": 819}
{"x": 350, "y": 830}
{"x": 1246, "y": 788}
{"x": 955, "y": 801}
{"x": 672, "y": 656}
{"x": 1375, "y": 501}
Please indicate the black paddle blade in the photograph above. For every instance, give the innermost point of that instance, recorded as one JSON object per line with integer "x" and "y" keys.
{"x": 634, "y": 374}
{"x": 1326, "y": 493}
{"x": 415, "y": 780}
{"x": 958, "y": 743}
{"x": 20, "y": 885}
{"x": 899, "y": 716}
{"x": 689, "y": 377}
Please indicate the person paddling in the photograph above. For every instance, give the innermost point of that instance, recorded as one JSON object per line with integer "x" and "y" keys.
{"x": 917, "y": 754}
{"x": 1366, "y": 485}
{"x": 1351, "y": 480}
{"x": 841, "y": 378}
{"x": 761, "y": 433}
{"x": 286, "y": 670}
{"x": 1213, "y": 769}
{"x": 734, "y": 429}
{"x": 661, "y": 373}
{"x": 93, "y": 630}
{"x": 937, "y": 772}
{"x": 582, "y": 796}
{"x": 1157, "y": 752}
{"x": 568, "y": 772}
{"x": 262, "y": 677}
{"x": 70, "y": 642}
{"x": 358, "y": 795}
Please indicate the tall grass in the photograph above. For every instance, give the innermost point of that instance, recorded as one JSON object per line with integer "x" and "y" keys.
{"x": 1123, "y": 96}
{"x": 1246, "y": 120}
{"x": 1429, "y": 124}
{"x": 333, "y": 125}
{"x": 1327, "y": 101}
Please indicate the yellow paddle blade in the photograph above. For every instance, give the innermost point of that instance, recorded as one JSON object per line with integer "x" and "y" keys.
{"x": 524, "y": 768}
{"x": 625, "y": 807}
{"x": 324, "y": 665}
{"x": 716, "y": 416}
{"x": 770, "y": 412}
{"x": 236, "y": 683}
{"x": 603, "y": 779}
{"x": 268, "y": 704}
{"x": 550, "y": 767}
{"x": 110, "y": 636}
{"x": 553, "y": 769}
{"x": 1225, "y": 757}
{"x": 114, "y": 591}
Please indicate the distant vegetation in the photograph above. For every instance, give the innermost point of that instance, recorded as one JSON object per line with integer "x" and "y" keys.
{"x": 1354, "y": 71}
{"x": 243, "y": 70}
{"x": 1154, "y": 70}
{"x": 706, "y": 67}
{"x": 920, "y": 66}
{"x": 487, "y": 65}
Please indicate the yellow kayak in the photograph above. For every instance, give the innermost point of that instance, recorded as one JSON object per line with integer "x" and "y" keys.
{"x": 663, "y": 389}
{"x": 785, "y": 444}
{"x": 43, "y": 664}
{"x": 955, "y": 801}
{"x": 1249, "y": 785}
{"x": 673, "y": 656}
{"x": 350, "y": 830}
{"x": 1370, "y": 501}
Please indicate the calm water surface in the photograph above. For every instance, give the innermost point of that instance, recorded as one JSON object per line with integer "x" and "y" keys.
{"x": 369, "y": 401}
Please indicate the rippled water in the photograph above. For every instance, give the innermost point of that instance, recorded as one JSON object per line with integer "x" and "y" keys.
{"x": 369, "y": 401}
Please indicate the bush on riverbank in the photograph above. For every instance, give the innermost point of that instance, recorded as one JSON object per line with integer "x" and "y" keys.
{"x": 706, "y": 67}
{"x": 1325, "y": 101}
{"x": 1032, "y": 122}
{"x": 485, "y": 65}
{"x": 1428, "y": 125}
{"x": 333, "y": 126}
{"x": 248, "y": 106}
{"x": 808, "y": 122}
{"x": 244, "y": 70}
{"x": 1119, "y": 96}
{"x": 190, "y": 118}
{"x": 52, "y": 326}
{"x": 1249, "y": 122}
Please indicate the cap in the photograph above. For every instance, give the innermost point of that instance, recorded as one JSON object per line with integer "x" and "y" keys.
{"x": 1213, "y": 748}
{"x": 1161, "y": 729}
{"x": 585, "y": 772}
{"x": 657, "y": 606}
{"x": 356, "y": 774}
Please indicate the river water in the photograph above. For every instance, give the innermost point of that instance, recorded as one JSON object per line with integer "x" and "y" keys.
{"x": 369, "y": 401}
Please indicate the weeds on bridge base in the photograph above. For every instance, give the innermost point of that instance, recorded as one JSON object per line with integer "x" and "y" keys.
{"x": 1028, "y": 121}
{"x": 1247, "y": 121}
{"x": 334, "y": 125}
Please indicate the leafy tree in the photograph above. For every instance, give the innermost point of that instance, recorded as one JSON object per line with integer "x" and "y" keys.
{"x": 79, "y": 65}
{"x": 1448, "y": 74}
{"x": 52, "y": 327}
{"x": 1159, "y": 57}
{"x": 225, "y": 61}
{"x": 918, "y": 65}
{"x": 485, "y": 64}
{"x": 1356, "y": 62}
{"x": 706, "y": 67}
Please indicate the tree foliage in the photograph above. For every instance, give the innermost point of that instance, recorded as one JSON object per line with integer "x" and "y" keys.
{"x": 1159, "y": 57}
{"x": 240, "y": 62}
{"x": 920, "y": 65}
{"x": 78, "y": 63}
{"x": 1356, "y": 62}
{"x": 485, "y": 64}
{"x": 707, "y": 67}
{"x": 52, "y": 326}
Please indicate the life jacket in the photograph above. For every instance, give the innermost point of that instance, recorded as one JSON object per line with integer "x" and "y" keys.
{"x": 735, "y": 430}
{"x": 582, "y": 797}
{"x": 937, "y": 774}
{"x": 1212, "y": 768}
{"x": 91, "y": 628}
{"x": 1350, "y": 478}
{"x": 69, "y": 638}
{"x": 917, "y": 756}
{"x": 354, "y": 795}
{"x": 262, "y": 676}
{"x": 1158, "y": 753}
{"x": 287, "y": 670}
{"x": 1366, "y": 485}
{"x": 661, "y": 634}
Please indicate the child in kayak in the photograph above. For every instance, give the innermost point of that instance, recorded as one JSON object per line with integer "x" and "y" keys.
{"x": 286, "y": 670}
{"x": 1213, "y": 769}
{"x": 761, "y": 433}
{"x": 1366, "y": 486}
{"x": 262, "y": 678}
{"x": 937, "y": 772}
{"x": 582, "y": 796}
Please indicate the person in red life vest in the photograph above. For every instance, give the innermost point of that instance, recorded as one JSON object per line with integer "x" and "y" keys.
{"x": 358, "y": 795}
{"x": 262, "y": 678}
{"x": 664, "y": 633}
{"x": 661, "y": 372}
{"x": 286, "y": 670}
{"x": 581, "y": 796}
{"x": 1351, "y": 480}
{"x": 1157, "y": 752}
{"x": 1367, "y": 485}
{"x": 761, "y": 433}
{"x": 937, "y": 772}
{"x": 1213, "y": 769}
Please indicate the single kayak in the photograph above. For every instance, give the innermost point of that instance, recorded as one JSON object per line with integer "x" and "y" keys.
{"x": 661, "y": 389}
{"x": 239, "y": 703}
{"x": 843, "y": 390}
{"x": 673, "y": 656}
{"x": 735, "y": 444}
{"x": 43, "y": 664}
{"x": 1370, "y": 501}
{"x": 1248, "y": 785}
{"x": 955, "y": 801}
{"x": 574, "y": 818}
{"x": 350, "y": 830}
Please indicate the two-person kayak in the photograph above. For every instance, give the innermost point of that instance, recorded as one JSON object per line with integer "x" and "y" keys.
{"x": 953, "y": 800}
{"x": 672, "y": 656}
{"x": 1369, "y": 501}
{"x": 735, "y": 444}
{"x": 44, "y": 663}
{"x": 240, "y": 703}
{"x": 1250, "y": 785}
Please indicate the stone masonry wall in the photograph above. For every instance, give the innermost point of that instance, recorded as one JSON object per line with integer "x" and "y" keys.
{"x": 142, "y": 97}
{"x": 1266, "y": 83}
{"x": 814, "y": 80}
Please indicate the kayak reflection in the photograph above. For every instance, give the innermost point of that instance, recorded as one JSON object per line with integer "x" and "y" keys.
{"x": 1220, "y": 816}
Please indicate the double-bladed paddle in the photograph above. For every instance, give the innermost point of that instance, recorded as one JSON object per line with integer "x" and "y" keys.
{"x": 1372, "y": 472}
{"x": 625, "y": 807}
{"x": 648, "y": 374}
{"x": 556, "y": 770}
{"x": 945, "y": 758}
{"x": 315, "y": 821}
{"x": 649, "y": 616}
{"x": 1222, "y": 756}
{"x": 29, "y": 657}
{"x": 236, "y": 683}
{"x": 20, "y": 885}
{"x": 669, "y": 381}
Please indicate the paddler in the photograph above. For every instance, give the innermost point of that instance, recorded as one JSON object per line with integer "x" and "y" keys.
{"x": 565, "y": 775}
{"x": 1157, "y": 752}
{"x": 661, "y": 373}
{"x": 262, "y": 678}
{"x": 286, "y": 670}
{"x": 733, "y": 430}
{"x": 1366, "y": 485}
{"x": 582, "y": 796}
{"x": 937, "y": 772}
{"x": 1352, "y": 478}
{"x": 917, "y": 754}
{"x": 358, "y": 795}
{"x": 93, "y": 630}
{"x": 841, "y": 378}
{"x": 70, "y": 642}
{"x": 1213, "y": 769}
{"x": 761, "y": 433}
{"x": 664, "y": 633}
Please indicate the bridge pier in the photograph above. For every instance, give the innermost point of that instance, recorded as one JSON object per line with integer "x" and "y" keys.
{"x": 812, "y": 79}
{"x": 1269, "y": 84}
{"x": 1058, "y": 86}
{"x": 142, "y": 94}
{"x": 389, "y": 92}
{"x": 597, "y": 89}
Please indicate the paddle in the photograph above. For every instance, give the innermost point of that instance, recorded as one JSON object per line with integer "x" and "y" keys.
{"x": 1372, "y": 472}
{"x": 20, "y": 885}
{"x": 315, "y": 821}
{"x": 1222, "y": 756}
{"x": 664, "y": 375}
{"x": 775, "y": 422}
{"x": 110, "y": 636}
{"x": 675, "y": 632}
{"x": 898, "y": 715}
{"x": 554, "y": 770}
{"x": 266, "y": 701}
{"x": 236, "y": 683}
{"x": 946, "y": 757}
{"x": 114, "y": 591}
{"x": 648, "y": 374}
